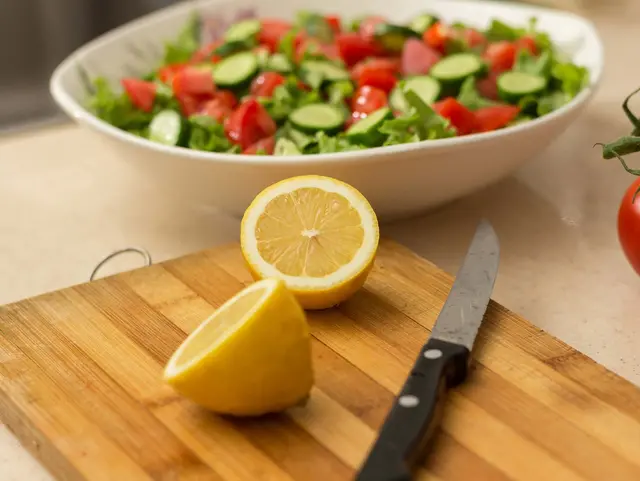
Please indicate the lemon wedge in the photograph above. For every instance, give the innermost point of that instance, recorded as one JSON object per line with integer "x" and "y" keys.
{"x": 251, "y": 357}
{"x": 318, "y": 234}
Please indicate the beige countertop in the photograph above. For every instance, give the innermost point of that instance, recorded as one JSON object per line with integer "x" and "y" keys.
{"x": 64, "y": 204}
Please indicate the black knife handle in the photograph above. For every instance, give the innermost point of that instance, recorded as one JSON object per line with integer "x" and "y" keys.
{"x": 415, "y": 413}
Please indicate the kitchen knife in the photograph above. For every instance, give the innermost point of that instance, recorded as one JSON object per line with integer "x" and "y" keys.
{"x": 441, "y": 364}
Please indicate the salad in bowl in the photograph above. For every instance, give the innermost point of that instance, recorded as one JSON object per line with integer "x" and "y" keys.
{"x": 323, "y": 84}
{"x": 413, "y": 104}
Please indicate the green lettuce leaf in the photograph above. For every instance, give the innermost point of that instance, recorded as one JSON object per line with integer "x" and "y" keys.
{"x": 315, "y": 25}
{"x": 326, "y": 144}
{"x": 186, "y": 43}
{"x": 401, "y": 130}
{"x": 552, "y": 101}
{"x": 470, "y": 97}
{"x": 430, "y": 125}
{"x": 116, "y": 108}
{"x": 570, "y": 77}
{"x": 540, "y": 65}
{"x": 207, "y": 134}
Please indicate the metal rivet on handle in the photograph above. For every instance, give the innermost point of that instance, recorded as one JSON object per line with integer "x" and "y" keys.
{"x": 433, "y": 353}
{"x": 408, "y": 401}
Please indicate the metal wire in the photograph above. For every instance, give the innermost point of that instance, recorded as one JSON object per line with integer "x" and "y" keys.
{"x": 138, "y": 250}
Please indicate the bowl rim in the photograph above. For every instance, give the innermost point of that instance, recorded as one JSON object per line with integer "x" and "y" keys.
{"x": 80, "y": 114}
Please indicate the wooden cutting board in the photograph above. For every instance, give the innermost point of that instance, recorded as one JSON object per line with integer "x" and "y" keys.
{"x": 80, "y": 386}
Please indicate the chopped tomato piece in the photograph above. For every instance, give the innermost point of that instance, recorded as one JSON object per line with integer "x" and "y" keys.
{"x": 495, "y": 117}
{"x": 378, "y": 78}
{"x": 266, "y": 145}
{"x": 389, "y": 65}
{"x": 205, "y": 52}
{"x": 436, "y": 36}
{"x": 473, "y": 37}
{"x": 166, "y": 73}
{"x": 528, "y": 43}
{"x": 141, "y": 93}
{"x": 461, "y": 118}
{"x": 193, "y": 81}
{"x": 488, "y": 86}
{"x": 353, "y": 48}
{"x": 192, "y": 104}
{"x": 249, "y": 123}
{"x": 418, "y": 57}
{"x": 368, "y": 26}
{"x": 501, "y": 56}
{"x": 315, "y": 47}
{"x": 368, "y": 99}
{"x": 216, "y": 109}
{"x": 334, "y": 23}
{"x": 265, "y": 83}
{"x": 227, "y": 98}
{"x": 271, "y": 32}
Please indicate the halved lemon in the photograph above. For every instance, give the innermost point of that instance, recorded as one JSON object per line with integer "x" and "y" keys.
{"x": 318, "y": 234}
{"x": 251, "y": 357}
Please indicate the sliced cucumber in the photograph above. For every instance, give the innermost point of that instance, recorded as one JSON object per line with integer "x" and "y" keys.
{"x": 236, "y": 70}
{"x": 366, "y": 131}
{"x": 426, "y": 87}
{"x": 421, "y": 23}
{"x": 279, "y": 62}
{"x": 513, "y": 86}
{"x": 392, "y": 37}
{"x": 166, "y": 128}
{"x": 262, "y": 55}
{"x": 318, "y": 117}
{"x": 285, "y": 146}
{"x": 328, "y": 71}
{"x": 241, "y": 31}
{"x": 454, "y": 69}
{"x": 229, "y": 48}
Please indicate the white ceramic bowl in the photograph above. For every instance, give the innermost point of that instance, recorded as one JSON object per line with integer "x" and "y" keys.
{"x": 399, "y": 180}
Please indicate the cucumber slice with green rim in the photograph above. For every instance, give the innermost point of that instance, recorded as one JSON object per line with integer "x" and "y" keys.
{"x": 236, "y": 70}
{"x": 285, "y": 146}
{"x": 426, "y": 87}
{"x": 421, "y": 23}
{"x": 327, "y": 71}
{"x": 318, "y": 117}
{"x": 454, "y": 69}
{"x": 397, "y": 100}
{"x": 166, "y": 128}
{"x": 512, "y": 86}
{"x": 392, "y": 37}
{"x": 244, "y": 30}
{"x": 279, "y": 62}
{"x": 366, "y": 131}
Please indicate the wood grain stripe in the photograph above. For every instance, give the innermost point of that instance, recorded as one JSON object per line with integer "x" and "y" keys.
{"x": 83, "y": 365}
{"x": 63, "y": 438}
{"x": 219, "y": 444}
{"x": 120, "y": 305}
{"x": 400, "y": 278}
{"x": 253, "y": 431}
{"x": 590, "y": 458}
{"x": 362, "y": 347}
{"x": 100, "y": 398}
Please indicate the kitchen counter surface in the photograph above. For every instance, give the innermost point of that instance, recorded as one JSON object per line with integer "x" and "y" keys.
{"x": 65, "y": 204}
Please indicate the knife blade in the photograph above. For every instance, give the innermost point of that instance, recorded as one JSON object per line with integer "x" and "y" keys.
{"x": 441, "y": 364}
